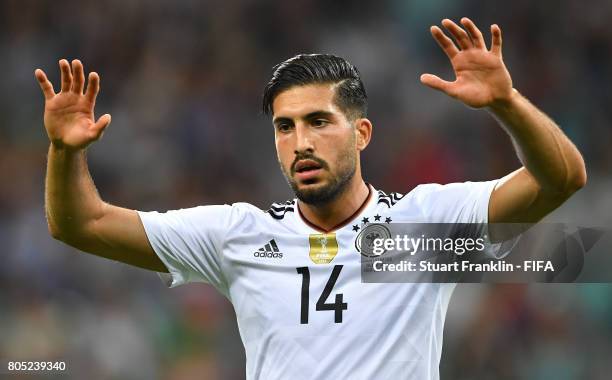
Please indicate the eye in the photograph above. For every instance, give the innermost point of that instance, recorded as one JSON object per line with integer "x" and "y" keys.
{"x": 283, "y": 127}
{"x": 320, "y": 122}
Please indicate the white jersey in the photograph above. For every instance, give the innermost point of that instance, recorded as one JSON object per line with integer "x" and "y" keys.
{"x": 302, "y": 310}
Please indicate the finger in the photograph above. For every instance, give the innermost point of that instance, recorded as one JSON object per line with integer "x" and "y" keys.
{"x": 78, "y": 77}
{"x": 460, "y": 35}
{"x": 66, "y": 75}
{"x": 436, "y": 83}
{"x": 475, "y": 34}
{"x": 447, "y": 45}
{"x": 45, "y": 85}
{"x": 100, "y": 126}
{"x": 93, "y": 87}
{"x": 496, "y": 40}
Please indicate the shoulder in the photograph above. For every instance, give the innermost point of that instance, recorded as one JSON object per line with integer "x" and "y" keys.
{"x": 243, "y": 217}
{"x": 218, "y": 215}
{"x": 419, "y": 194}
{"x": 438, "y": 196}
{"x": 389, "y": 199}
{"x": 242, "y": 211}
{"x": 455, "y": 191}
{"x": 245, "y": 211}
{"x": 278, "y": 210}
{"x": 426, "y": 191}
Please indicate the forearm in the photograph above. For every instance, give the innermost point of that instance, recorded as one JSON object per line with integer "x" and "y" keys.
{"x": 71, "y": 199}
{"x": 549, "y": 156}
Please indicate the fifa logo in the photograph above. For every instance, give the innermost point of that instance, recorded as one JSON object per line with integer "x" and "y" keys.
{"x": 323, "y": 248}
{"x": 323, "y": 241}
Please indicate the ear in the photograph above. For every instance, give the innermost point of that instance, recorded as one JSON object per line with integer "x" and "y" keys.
{"x": 363, "y": 131}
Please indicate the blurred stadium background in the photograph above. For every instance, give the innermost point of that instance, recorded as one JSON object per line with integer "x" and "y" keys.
{"x": 183, "y": 82}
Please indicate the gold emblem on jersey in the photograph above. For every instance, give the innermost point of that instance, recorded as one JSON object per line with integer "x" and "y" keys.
{"x": 323, "y": 248}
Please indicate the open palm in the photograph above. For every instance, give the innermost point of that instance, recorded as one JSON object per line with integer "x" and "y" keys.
{"x": 481, "y": 76}
{"x": 69, "y": 114}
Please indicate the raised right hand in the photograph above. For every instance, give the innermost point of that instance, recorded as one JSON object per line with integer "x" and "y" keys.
{"x": 69, "y": 114}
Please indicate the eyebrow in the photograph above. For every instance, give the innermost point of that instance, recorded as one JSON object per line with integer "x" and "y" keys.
{"x": 309, "y": 116}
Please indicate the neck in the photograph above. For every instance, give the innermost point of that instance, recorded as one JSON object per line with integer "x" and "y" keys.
{"x": 331, "y": 215}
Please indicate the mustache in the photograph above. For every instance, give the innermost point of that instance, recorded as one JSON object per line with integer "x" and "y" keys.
{"x": 308, "y": 156}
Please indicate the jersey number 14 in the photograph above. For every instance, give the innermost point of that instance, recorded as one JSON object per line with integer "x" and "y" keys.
{"x": 338, "y": 306}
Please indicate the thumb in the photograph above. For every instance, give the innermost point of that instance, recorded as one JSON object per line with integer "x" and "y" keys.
{"x": 435, "y": 82}
{"x": 101, "y": 125}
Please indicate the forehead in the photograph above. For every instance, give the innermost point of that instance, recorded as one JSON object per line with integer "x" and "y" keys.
{"x": 302, "y": 100}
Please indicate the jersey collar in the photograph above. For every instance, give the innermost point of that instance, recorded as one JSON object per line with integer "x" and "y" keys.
{"x": 367, "y": 203}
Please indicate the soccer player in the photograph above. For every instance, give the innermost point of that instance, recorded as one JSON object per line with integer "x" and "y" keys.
{"x": 292, "y": 272}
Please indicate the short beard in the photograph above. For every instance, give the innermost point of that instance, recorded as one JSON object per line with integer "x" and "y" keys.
{"x": 325, "y": 194}
{"x": 334, "y": 189}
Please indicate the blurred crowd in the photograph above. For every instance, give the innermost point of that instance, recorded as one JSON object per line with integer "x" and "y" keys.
{"x": 183, "y": 82}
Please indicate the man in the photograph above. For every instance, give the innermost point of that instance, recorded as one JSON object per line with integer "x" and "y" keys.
{"x": 293, "y": 272}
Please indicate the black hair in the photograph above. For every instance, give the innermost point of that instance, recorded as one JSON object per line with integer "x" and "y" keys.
{"x": 304, "y": 69}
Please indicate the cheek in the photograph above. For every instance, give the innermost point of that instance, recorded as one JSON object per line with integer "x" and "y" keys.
{"x": 335, "y": 152}
{"x": 347, "y": 143}
{"x": 345, "y": 155}
{"x": 284, "y": 153}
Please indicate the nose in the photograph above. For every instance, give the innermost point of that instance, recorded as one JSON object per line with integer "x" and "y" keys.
{"x": 304, "y": 139}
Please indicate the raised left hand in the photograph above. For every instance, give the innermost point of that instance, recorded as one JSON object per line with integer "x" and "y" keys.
{"x": 482, "y": 79}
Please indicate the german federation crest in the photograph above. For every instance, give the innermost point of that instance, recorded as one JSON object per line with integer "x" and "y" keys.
{"x": 364, "y": 243}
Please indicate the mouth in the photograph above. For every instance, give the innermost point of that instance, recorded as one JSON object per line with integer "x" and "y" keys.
{"x": 307, "y": 170}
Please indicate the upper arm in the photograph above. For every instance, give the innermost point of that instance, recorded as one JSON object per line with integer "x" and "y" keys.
{"x": 518, "y": 198}
{"x": 119, "y": 235}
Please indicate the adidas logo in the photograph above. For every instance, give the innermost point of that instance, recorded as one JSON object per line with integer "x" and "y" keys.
{"x": 269, "y": 250}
